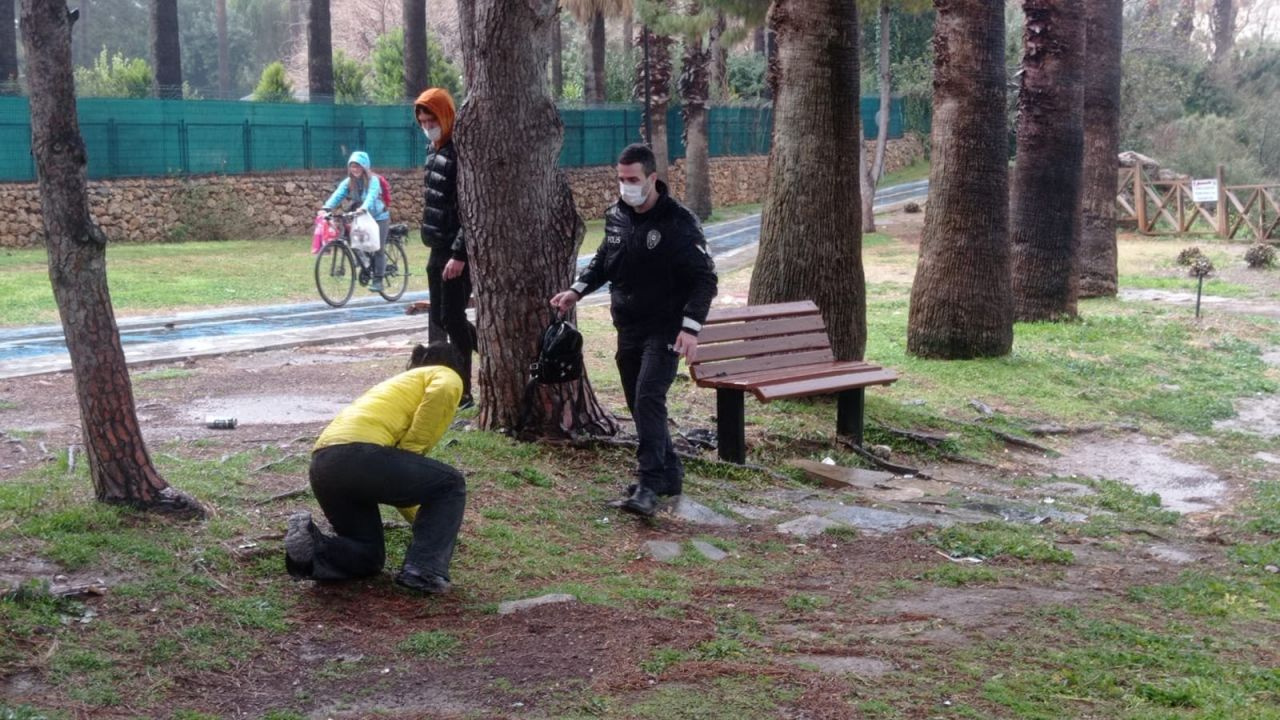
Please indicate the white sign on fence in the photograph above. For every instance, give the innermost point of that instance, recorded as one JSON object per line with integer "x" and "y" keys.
{"x": 1204, "y": 190}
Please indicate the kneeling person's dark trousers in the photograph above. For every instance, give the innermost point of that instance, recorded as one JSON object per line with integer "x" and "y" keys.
{"x": 647, "y": 366}
{"x": 350, "y": 482}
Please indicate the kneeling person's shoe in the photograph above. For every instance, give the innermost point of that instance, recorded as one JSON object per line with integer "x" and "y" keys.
{"x": 299, "y": 544}
{"x": 642, "y": 502}
{"x": 426, "y": 584}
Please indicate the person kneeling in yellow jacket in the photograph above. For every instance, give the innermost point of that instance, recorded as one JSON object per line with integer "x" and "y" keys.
{"x": 373, "y": 453}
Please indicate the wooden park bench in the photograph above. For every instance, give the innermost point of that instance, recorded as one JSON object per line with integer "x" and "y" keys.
{"x": 776, "y": 351}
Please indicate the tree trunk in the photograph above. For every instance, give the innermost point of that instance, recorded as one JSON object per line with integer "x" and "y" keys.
{"x": 593, "y": 72}
{"x": 694, "y": 89}
{"x": 719, "y": 60}
{"x": 224, "y": 55}
{"x": 1104, "y": 38}
{"x": 873, "y": 167}
{"x": 1045, "y": 216}
{"x": 1223, "y": 23}
{"x": 8, "y": 50}
{"x": 119, "y": 464}
{"x": 557, "y": 61}
{"x": 810, "y": 238}
{"x": 416, "y": 72}
{"x": 758, "y": 41}
{"x": 1184, "y": 20}
{"x": 166, "y": 52}
{"x": 659, "y": 92}
{"x": 961, "y": 305}
{"x": 319, "y": 52}
{"x": 467, "y": 34}
{"x": 511, "y": 190}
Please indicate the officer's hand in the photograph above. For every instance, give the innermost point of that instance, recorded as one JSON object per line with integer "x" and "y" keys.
{"x": 686, "y": 344}
{"x": 453, "y": 268}
{"x": 564, "y": 301}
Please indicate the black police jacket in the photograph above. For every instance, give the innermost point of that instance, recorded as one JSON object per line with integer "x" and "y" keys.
{"x": 656, "y": 263}
{"x": 441, "y": 228}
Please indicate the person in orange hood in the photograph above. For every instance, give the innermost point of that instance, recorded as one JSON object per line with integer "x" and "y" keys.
{"x": 448, "y": 273}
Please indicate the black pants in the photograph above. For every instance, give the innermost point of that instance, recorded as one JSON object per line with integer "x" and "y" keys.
{"x": 448, "y": 316}
{"x": 350, "y": 482}
{"x": 647, "y": 366}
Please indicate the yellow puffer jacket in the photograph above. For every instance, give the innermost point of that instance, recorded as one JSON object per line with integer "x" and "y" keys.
{"x": 410, "y": 411}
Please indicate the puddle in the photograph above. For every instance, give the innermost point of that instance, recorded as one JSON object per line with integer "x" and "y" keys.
{"x": 1256, "y": 416}
{"x": 1145, "y": 467}
{"x": 268, "y": 409}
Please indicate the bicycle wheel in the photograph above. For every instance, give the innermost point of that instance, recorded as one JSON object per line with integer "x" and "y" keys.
{"x": 396, "y": 277}
{"x": 335, "y": 274}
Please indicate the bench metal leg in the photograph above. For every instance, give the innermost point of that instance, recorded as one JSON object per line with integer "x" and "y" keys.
{"x": 849, "y": 407}
{"x": 731, "y": 422}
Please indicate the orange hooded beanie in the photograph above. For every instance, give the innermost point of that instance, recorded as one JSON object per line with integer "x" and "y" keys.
{"x": 438, "y": 102}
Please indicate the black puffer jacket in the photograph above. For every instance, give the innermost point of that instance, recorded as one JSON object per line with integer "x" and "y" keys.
{"x": 441, "y": 228}
{"x": 660, "y": 275}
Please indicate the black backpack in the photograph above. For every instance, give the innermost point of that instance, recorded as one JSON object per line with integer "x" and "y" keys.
{"x": 559, "y": 353}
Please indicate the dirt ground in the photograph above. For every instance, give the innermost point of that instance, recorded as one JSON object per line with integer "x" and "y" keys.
{"x": 526, "y": 663}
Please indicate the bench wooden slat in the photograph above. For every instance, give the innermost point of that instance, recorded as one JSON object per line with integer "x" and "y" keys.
{"x": 755, "y": 312}
{"x": 767, "y": 346}
{"x": 822, "y": 386}
{"x": 750, "y": 380}
{"x": 704, "y": 372}
{"x": 754, "y": 329}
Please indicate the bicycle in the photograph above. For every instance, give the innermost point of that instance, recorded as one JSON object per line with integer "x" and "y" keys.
{"x": 339, "y": 266}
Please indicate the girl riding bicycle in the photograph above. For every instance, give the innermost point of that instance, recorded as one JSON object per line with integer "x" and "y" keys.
{"x": 361, "y": 186}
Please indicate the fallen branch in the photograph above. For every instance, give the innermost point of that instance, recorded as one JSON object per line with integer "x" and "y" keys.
{"x": 280, "y": 461}
{"x": 285, "y": 495}
{"x": 1052, "y": 429}
{"x": 1021, "y": 442}
{"x": 882, "y": 464}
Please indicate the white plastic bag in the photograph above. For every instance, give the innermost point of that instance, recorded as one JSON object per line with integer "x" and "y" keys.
{"x": 364, "y": 233}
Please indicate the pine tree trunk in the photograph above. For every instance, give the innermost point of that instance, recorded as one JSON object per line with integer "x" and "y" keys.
{"x": 1045, "y": 216}
{"x": 1223, "y": 23}
{"x": 810, "y": 232}
{"x": 416, "y": 72}
{"x": 119, "y": 464}
{"x": 8, "y": 50}
{"x": 166, "y": 52}
{"x": 961, "y": 305}
{"x": 694, "y": 90}
{"x": 319, "y": 52}
{"x": 593, "y": 71}
{"x": 224, "y": 53}
{"x": 522, "y": 228}
{"x": 1104, "y": 38}
{"x": 557, "y": 61}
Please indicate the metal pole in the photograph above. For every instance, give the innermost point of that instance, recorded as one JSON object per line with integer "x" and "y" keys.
{"x": 1199, "y": 289}
{"x": 648, "y": 123}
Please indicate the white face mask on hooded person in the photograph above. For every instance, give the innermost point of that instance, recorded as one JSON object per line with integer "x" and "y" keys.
{"x": 433, "y": 134}
{"x": 634, "y": 195}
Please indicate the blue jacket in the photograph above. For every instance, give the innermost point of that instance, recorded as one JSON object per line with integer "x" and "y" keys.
{"x": 372, "y": 198}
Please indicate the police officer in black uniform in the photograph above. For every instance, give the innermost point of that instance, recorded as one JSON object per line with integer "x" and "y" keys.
{"x": 661, "y": 283}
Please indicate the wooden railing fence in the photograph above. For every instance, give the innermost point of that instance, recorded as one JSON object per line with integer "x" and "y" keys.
{"x": 1162, "y": 207}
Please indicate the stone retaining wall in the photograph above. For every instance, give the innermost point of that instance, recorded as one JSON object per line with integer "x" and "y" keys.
{"x": 214, "y": 207}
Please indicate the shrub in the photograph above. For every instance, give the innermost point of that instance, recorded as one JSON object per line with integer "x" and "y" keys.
{"x": 1189, "y": 255}
{"x": 115, "y": 76}
{"x": 1260, "y": 256}
{"x": 1202, "y": 267}
{"x": 274, "y": 85}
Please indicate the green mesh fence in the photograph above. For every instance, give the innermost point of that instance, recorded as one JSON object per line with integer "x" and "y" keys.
{"x": 133, "y": 138}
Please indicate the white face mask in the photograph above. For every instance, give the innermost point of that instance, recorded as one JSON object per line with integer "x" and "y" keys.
{"x": 633, "y": 195}
{"x": 433, "y": 134}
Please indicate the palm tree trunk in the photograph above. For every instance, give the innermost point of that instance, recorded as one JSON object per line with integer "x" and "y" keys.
{"x": 659, "y": 93}
{"x": 416, "y": 72}
{"x": 593, "y": 73}
{"x": 810, "y": 232}
{"x": 510, "y": 190}
{"x": 1104, "y": 38}
{"x": 694, "y": 90}
{"x": 119, "y": 464}
{"x": 166, "y": 53}
{"x": 8, "y": 50}
{"x": 319, "y": 52}
{"x": 1045, "y": 215}
{"x": 960, "y": 300}
{"x": 719, "y": 60}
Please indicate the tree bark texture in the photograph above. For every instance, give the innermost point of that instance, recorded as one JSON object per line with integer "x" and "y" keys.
{"x": 1045, "y": 216}
{"x": 467, "y": 35}
{"x": 166, "y": 52}
{"x": 8, "y": 50}
{"x": 119, "y": 464}
{"x": 720, "y": 60}
{"x": 961, "y": 305}
{"x": 522, "y": 228}
{"x": 810, "y": 230}
{"x": 1223, "y": 23}
{"x": 224, "y": 54}
{"x": 695, "y": 87}
{"x": 557, "y": 61}
{"x": 1104, "y": 38}
{"x": 416, "y": 73}
{"x": 659, "y": 92}
{"x": 319, "y": 52}
{"x": 593, "y": 72}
